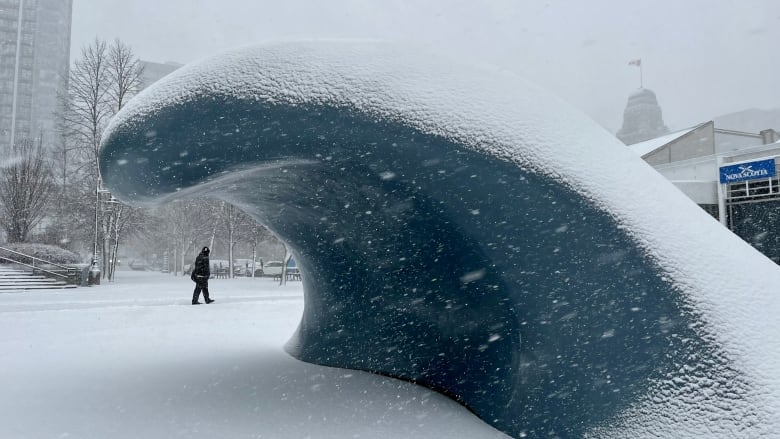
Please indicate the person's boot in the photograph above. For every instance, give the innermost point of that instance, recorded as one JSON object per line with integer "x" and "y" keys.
{"x": 196, "y": 303}
{"x": 209, "y": 300}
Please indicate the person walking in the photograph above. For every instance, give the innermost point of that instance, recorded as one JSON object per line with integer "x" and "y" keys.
{"x": 200, "y": 274}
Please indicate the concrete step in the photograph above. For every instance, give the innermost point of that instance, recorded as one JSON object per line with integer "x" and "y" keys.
{"x": 21, "y": 290}
{"x": 53, "y": 282}
{"x": 17, "y": 280}
{"x": 20, "y": 277}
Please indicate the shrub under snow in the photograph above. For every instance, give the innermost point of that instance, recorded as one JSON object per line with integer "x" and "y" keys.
{"x": 46, "y": 252}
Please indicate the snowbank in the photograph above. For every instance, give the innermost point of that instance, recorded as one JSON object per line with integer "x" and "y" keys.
{"x": 134, "y": 360}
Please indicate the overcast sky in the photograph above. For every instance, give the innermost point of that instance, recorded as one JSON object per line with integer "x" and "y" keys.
{"x": 703, "y": 58}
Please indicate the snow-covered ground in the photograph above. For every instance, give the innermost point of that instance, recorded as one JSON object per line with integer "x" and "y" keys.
{"x": 134, "y": 359}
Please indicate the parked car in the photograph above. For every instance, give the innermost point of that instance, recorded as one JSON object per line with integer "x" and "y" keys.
{"x": 139, "y": 266}
{"x": 272, "y": 268}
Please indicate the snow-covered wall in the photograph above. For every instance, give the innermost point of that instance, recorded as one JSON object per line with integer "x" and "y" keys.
{"x": 458, "y": 227}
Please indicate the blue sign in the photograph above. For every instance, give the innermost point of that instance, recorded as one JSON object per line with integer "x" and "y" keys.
{"x": 747, "y": 171}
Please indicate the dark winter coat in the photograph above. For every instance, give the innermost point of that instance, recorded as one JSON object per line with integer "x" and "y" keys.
{"x": 201, "y": 270}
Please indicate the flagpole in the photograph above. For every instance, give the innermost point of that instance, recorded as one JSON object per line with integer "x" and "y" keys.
{"x": 638, "y": 62}
{"x": 641, "y": 84}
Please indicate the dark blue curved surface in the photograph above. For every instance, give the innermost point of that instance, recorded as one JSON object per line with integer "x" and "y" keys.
{"x": 425, "y": 260}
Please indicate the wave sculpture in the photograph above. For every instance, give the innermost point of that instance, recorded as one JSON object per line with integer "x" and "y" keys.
{"x": 460, "y": 228}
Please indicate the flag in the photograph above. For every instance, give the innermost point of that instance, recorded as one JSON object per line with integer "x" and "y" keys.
{"x": 635, "y": 62}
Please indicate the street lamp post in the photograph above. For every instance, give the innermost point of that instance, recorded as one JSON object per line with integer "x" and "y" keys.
{"x": 109, "y": 205}
{"x": 104, "y": 204}
{"x": 94, "y": 270}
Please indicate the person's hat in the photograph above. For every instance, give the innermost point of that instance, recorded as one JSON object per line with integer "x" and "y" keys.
{"x": 205, "y": 250}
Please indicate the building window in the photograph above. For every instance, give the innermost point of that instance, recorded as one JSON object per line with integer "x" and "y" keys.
{"x": 753, "y": 190}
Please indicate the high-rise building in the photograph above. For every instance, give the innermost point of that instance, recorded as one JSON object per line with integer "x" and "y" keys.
{"x": 34, "y": 66}
{"x": 154, "y": 71}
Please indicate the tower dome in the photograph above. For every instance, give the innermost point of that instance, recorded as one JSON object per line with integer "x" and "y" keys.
{"x": 642, "y": 118}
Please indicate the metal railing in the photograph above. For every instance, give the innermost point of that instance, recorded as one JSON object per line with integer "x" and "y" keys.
{"x": 70, "y": 272}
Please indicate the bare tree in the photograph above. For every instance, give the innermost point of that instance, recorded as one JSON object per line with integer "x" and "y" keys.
{"x": 125, "y": 71}
{"x": 87, "y": 106}
{"x": 231, "y": 216}
{"x": 85, "y": 114}
{"x": 240, "y": 228}
{"x": 213, "y": 212}
{"x": 26, "y": 184}
{"x": 258, "y": 234}
{"x": 285, "y": 261}
{"x": 181, "y": 225}
{"x": 128, "y": 222}
{"x": 104, "y": 77}
{"x": 124, "y": 81}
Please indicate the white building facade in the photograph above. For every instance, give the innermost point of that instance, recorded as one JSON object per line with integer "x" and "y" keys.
{"x": 733, "y": 175}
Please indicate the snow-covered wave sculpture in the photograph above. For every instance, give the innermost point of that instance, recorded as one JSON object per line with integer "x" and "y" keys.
{"x": 462, "y": 229}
